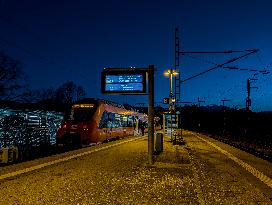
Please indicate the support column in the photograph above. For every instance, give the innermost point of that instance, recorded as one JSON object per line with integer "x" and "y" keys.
{"x": 150, "y": 114}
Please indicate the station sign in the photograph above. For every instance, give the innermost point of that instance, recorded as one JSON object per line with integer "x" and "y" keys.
{"x": 123, "y": 81}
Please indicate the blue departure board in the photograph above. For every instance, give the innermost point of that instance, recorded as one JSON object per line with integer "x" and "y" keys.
{"x": 126, "y": 83}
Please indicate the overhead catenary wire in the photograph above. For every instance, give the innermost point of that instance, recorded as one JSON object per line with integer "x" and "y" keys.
{"x": 262, "y": 70}
{"x": 249, "y": 52}
{"x": 215, "y": 52}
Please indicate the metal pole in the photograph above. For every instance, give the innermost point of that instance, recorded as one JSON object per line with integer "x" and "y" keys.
{"x": 150, "y": 114}
{"x": 171, "y": 87}
{"x": 248, "y": 96}
{"x": 163, "y": 125}
{"x": 170, "y": 101}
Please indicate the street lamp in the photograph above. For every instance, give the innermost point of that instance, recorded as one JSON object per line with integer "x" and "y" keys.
{"x": 172, "y": 100}
{"x": 171, "y": 73}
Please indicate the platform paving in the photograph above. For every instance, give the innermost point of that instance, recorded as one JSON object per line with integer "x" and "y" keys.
{"x": 193, "y": 173}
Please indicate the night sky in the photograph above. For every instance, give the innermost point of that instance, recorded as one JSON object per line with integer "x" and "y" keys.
{"x": 61, "y": 40}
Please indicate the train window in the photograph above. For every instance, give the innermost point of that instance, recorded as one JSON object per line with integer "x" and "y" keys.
{"x": 103, "y": 120}
{"x": 118, "y": 123}
{"x": 111, "y": 116}
{"x": 123, "y": 121}
{"x": 111, "y": 124}
{"x": 130, "y": 121}
{"x": 103, "y": 124}
{"x": 117, "y": 116}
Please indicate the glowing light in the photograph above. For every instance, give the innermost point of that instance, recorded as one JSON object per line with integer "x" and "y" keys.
{"x": 167, "y": 73}
{"x": 175, "y": 72}
{"x": 170, "y": 72}
{"x": 83, "y": 106}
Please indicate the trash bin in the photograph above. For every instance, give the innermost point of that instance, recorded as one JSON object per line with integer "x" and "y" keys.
{"x": 159, "y": 143}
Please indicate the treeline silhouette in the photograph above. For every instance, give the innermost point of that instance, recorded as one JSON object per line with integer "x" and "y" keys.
{"x": 16, "y": 93}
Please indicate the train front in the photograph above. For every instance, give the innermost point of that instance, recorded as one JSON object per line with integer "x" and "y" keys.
{"x": 80, "y": 126}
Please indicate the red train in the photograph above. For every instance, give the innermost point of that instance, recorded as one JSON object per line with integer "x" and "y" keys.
{"x": 94, "y": 121}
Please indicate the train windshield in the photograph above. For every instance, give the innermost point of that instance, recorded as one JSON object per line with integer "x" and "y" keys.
{"x": 82, "y": 112}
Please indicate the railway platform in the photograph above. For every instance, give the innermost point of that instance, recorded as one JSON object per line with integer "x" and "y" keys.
{"x": 201, "y": 171}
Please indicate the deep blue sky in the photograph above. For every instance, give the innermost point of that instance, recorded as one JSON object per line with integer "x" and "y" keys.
{"x": 60, "y": 40}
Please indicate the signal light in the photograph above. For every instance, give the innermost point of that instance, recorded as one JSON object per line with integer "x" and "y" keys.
{"x": 166, "y": 100}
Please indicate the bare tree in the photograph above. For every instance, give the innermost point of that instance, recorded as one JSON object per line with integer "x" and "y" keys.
{"x": 68, "y": 92}
{"x": 11, "y": 78}
{"x": 48, "y": 94}
{"x": 59, "y": 99}
{"x": 80, "y": 93}
{"x": 30, "y": 96}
